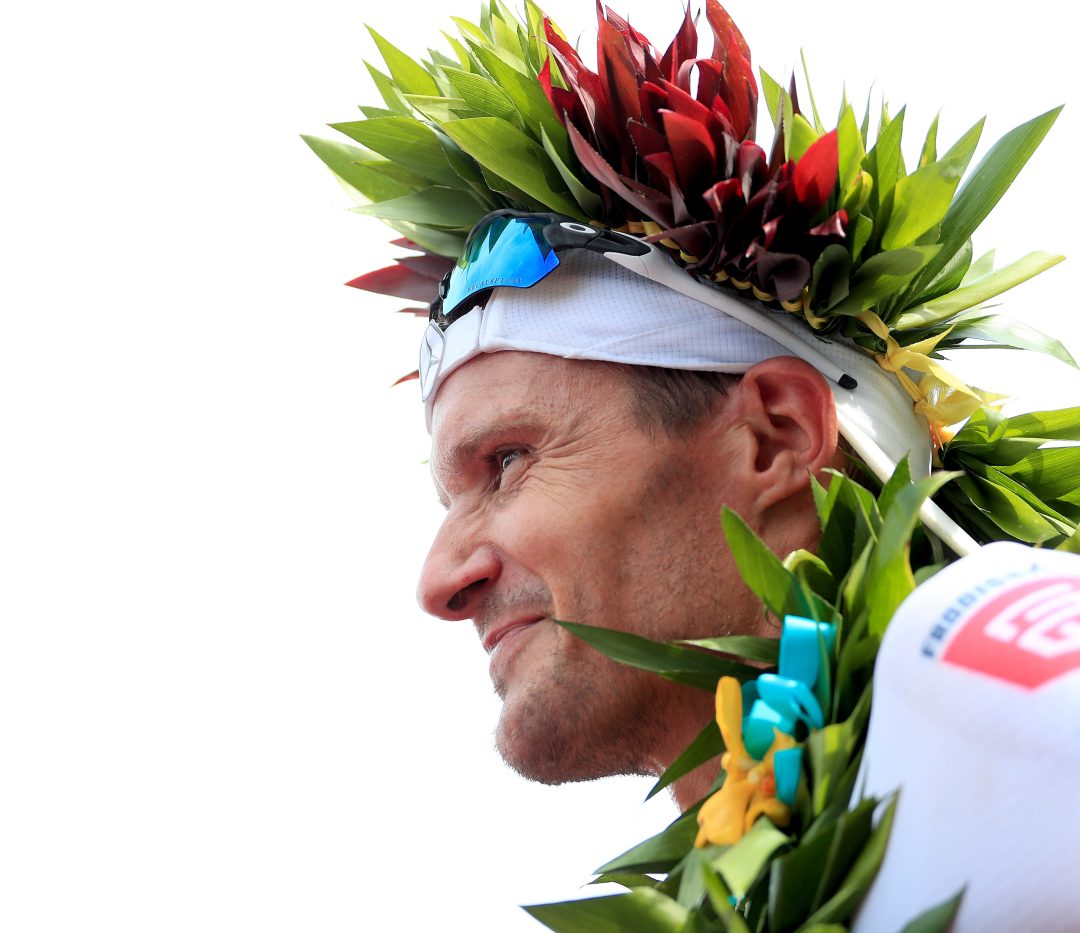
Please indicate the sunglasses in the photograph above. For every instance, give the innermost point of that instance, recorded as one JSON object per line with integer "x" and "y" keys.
{"x": 514, "y": 249}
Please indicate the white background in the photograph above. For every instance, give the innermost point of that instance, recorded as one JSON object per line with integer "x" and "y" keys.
{"x": 220, "y": 708}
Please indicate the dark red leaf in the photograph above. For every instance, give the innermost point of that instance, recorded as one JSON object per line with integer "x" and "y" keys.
{"x": 693, "y": 150}
{"x": 781, "y": 274}
{"x": 739, "y": 87}
{"x": 617, "y": 74}
{"x": 833, "y": 226}
{"x": 415, "y": 374}
{"x": 815, "y": 173}
{"x": 399, "y": 281}
{"x": 653, "y": 204}
{"x": 405, "y": 243}
{"x": 750, "y": 168}
{"x": 428, "y": 265}
{"x": 683, "y": 47}
{"x": 645, "y": 139}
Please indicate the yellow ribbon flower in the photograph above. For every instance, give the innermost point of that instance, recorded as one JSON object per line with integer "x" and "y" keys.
{"x": 939, "y": 396}
{"x": 750, "y": 786}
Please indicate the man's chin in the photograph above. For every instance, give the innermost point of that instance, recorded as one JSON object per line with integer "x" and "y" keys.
{"x": 556, "y": 745}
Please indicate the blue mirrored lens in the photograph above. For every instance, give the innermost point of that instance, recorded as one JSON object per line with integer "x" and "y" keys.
{"x": 505, "y": 252}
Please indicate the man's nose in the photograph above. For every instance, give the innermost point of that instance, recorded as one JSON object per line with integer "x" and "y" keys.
{"x": 457, "y": 573}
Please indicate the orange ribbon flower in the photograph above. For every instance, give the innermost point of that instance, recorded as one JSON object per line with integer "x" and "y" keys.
{"x": 750, "y": 786}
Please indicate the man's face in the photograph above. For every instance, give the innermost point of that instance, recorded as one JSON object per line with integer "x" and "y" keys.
{"x": 561, "y": 506}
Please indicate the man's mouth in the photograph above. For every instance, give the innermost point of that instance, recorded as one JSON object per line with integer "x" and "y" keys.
{"x": 508, "y": 630}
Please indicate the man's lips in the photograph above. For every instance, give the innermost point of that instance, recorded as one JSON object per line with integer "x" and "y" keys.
{"x": 499, "y": 632}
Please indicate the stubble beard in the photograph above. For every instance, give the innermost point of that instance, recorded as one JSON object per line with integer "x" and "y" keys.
{"x": 576, "y": 718}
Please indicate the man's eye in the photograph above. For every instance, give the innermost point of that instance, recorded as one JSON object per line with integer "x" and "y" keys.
{"x": 505, "y": 457}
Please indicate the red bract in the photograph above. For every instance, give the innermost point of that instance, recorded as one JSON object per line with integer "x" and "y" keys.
{"x": 683, "y": 156}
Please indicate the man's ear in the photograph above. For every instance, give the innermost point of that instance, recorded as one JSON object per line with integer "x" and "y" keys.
{"x": 790, "y": 413}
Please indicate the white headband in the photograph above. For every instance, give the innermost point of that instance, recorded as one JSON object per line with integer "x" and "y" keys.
{"x": 593, "y": 309}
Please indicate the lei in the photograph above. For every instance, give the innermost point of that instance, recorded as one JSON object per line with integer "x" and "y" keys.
{"x": 829, "y": 225}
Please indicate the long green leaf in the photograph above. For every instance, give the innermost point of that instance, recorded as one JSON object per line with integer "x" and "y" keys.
{"x": 763, "y": 572}
{"x": 937, "y": 919}
{"x": 671, "y": 661}
{"x": 748, "y": 647}
{"x": 841, "y": 904}
{"x": 882, "y": 275}
{"x": 354, "y": 167}
{"x": 889, "y": 578}
{"x": 406, "y": 141}
{"x": 976, "y": 292}
{"x": 588, "y": 201}
{"x": 660, "y": 852}
{"x": 442, "y": 207}
{"x": 643, "y": 909}
{"x": 505, "y": 150}
{"x": 481, "y": 94}
{"x": 388, "y": 91}
{"x": 708, "y": 744}
{"x": 1005, "y": 332}
{"x": 409, "y": 77}
{"x": 527, "y": 95}
{"x": 741, "y": 864}
{"x": 984, "y": 187}
{"x": 918, "y": 202}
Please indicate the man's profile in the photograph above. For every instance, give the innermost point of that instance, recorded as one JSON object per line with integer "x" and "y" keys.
{"x": 648, "y": 335}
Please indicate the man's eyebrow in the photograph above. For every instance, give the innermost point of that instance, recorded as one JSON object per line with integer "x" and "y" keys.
{"x": 522, "y": 420}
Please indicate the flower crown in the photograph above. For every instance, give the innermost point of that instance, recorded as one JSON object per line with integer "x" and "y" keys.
{"x": 829, "y": 225}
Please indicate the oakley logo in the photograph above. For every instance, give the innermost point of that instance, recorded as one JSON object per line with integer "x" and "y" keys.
{"x": 1027, "y": 635}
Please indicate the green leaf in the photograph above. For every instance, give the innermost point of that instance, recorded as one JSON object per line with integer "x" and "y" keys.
{"x": 528, "y": 97}
{"x": 481, "y": 94}
{"x": 1005, "y": 332}
{"x": 692, "y": 881}
{"x": 643, "y": 910}
{"x": 708, "y": 744}
{"x": 588, "y": 201}
{"x": 1071, "y": 545}
{"x": 442, "y": 207}
{"x": 671, "y": 661}
{"x": 976, "y": 292}
{"x": 439, "y": 242}
{"x": 505, "y": 150}
{"x": 889, "y": 578}
{"x": 883, "y": 162}
{"x": 407, "y": 142}
{"x": 991, "y": 178}
{"x": 918, "y": 202}
{"x": 390, "y": 94}
{"x": 741, "y": 864}
{"x": 937, "y": 919}
{"x": 772, "y": 92}
{"x": 929, "y": 148}
{"x": 853, "y": 828}
{"x": 748, "y": 647}
{"x": 882, "y": 275}
{"x": 661, "y": 852}
{"x": 850, "y": 149}
{"x": 763, "y": 572}
{"x": 439, "y": 109}
{"x": 801, "y": 136}
{"x": 839, "y": 907}
{"x": 1052, "y": 472}
{"x": 356, "y": 168}
{"x": 409, "y": 77}
{"x": 951, "y": 277}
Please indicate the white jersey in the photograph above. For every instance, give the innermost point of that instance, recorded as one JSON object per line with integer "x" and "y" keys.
{"x": 976, "y": 721}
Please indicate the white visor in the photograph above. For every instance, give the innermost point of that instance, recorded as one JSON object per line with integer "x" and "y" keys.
{"x": 592, "y": 308}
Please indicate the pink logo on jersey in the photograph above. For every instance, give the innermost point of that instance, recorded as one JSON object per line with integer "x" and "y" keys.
{"x": 1027, "y": 635}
